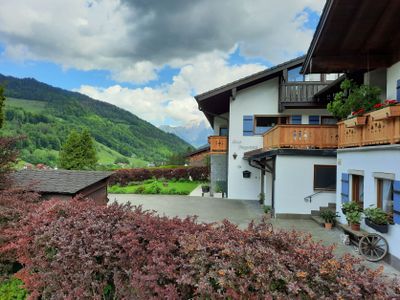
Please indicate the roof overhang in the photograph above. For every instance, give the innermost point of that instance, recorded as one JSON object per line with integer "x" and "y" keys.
{"x": 260, "y": 154}
{"x": 216, "y": 102}
{"x": 354, "y": 35}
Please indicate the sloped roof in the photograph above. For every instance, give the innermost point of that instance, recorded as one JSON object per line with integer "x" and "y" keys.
{"x": 216, "y": 101}
{"x": 355, "y": 35}
{"x": 204, "y": 148}
{"x": 57, "y": 181}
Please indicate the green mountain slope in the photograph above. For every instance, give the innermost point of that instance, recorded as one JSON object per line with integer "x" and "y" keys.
{"x": 46, "y": 115}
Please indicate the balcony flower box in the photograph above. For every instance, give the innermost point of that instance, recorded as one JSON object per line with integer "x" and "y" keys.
{"x": 386, "y": 112}
{"x": 383, "y": 228}
{"x": 356, "y": 121}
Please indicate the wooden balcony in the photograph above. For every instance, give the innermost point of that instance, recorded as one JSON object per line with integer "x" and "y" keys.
{"x": 380, "y": 128}
{"x": 299, "y": 92}
{"x": 218, "y": 144}
{"x": 301, "y": 137}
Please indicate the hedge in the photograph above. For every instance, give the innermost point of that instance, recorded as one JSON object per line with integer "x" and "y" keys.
{"x": 74, "y": 250}
{"x": 125, "y": 176}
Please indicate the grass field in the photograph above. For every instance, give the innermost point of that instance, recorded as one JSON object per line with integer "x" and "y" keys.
{"x": 156, "y": 187}
{"x": 32, "y": 106}
{"x": 107, "y": 156}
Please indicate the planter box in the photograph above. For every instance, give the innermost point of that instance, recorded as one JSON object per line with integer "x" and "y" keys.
{"x": 380, "y": 228}
{"x": 356, "y": 121}
{"x": 387, "y": 112}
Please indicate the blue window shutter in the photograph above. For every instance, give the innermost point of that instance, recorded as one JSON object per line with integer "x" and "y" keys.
{"x": 345, "y": 188}
{"x": 248, "y": 123}
{"x": 313, "y": 120}
{"x": 398, "y": 90}
{"x": 295, "y": 120}
{"x": 396, "y": 202}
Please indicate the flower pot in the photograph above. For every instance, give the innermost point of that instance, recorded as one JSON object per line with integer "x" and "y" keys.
{"x": 328, "y": 226}
{"x": 355, "y": 227}
{"x": 205, "y": 189}
{"x": 383, "y": 228}
{"x": 356, "y": 121}
{"x": 386, "y": 112}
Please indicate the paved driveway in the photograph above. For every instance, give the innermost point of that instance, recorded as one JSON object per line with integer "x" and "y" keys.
{"x": 207, "y": 209}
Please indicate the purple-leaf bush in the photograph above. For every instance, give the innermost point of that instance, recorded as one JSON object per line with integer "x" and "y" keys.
{"x": 75, "y": 250}
{"x": 125, "y": 176}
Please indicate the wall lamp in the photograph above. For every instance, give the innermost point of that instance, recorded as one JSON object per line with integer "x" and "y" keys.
{"x": 234, "y": 155}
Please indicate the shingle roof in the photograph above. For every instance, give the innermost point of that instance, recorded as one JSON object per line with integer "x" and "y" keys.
{"x": 57, "y": 181}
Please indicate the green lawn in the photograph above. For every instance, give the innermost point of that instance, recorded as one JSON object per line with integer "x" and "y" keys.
{"x": 107, "y": 156}
{"x": 156, "y": 187}
{"x": 32, "y": 106}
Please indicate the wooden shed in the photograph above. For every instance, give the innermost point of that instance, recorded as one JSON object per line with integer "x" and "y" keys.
{"x": 64, "y": 184}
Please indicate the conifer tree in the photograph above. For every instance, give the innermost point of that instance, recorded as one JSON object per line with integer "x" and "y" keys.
{"x": 78, "y": 152}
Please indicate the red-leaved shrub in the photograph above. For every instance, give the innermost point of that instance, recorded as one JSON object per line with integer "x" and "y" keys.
{"x": 125, "y": 176}
{"x": 15, "y": 204}
{"x": 74, "y": 250}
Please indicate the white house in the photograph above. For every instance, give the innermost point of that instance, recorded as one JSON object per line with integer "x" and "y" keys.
{"x": 361, "y": 38}
{"x": 274, "y": 139}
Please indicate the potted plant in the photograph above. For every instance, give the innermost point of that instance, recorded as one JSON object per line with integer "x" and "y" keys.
{"x": 351, "y": 206}
{"x": 387, "y": 109}
{"x": 354, "y": 217}
{"x": 357, "y": 119}
{"x": 377, "y": 219}
{"x": 329, "y": 218}
{"x": 268, "y": 210}
{"x": 205, "y": 188}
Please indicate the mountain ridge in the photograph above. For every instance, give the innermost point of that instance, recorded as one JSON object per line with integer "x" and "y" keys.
{"x": 46, "y": 114}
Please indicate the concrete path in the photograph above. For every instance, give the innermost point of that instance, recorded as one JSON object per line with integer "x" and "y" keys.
{"x": 207, "y": 209}
{"x": 197, "y": 193}
{"x": 238, "y": 212}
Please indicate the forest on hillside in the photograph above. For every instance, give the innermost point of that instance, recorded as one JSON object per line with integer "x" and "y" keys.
{"x": 46, "y": 115}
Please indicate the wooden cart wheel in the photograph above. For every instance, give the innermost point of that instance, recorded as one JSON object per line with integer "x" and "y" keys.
{"x": 373, "y": 247}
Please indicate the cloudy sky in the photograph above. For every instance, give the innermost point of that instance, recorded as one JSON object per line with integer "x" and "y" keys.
{"x": 151, "y": 56}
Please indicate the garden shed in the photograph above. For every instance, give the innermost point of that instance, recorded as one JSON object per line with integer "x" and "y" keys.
{"x": 64, "y": 184}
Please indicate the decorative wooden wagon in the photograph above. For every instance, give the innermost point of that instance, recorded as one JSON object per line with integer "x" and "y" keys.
{"x": 372, "y": 246}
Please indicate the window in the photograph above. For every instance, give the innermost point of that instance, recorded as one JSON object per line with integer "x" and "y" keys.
{"x": 295, "y": 120}
{"x": 312, "y": 77}
{"x": 294, "y": 74}
{"x": 332, "y": 76}
{"x": 357, "y": 189}
{"x": 313, "y": 120}
{"x": 223, "y": 131}
{"x": 328, "y": 120}
{"x": 263, "y": 124}
{"x": 325, "y": 177}
{"x": 385, "y": 196}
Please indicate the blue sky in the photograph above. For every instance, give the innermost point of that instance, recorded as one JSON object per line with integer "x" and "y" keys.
{"x": 157, "y": 78}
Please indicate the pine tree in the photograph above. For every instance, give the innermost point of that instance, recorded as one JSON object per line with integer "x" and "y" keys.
{"x": 78, "y": 152}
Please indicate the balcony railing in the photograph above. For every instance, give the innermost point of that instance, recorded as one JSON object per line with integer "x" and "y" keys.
{"x": 301, "y": 137}
{"x": 218, "y": 144}
{"x": 295, "y": 92}
{"x": 379, "y": 128}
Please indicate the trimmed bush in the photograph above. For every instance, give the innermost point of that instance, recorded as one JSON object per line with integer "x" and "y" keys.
{"x": 125, "y": 176}
{"x": 12, "y": 290}
{"x": 76, "y": 250}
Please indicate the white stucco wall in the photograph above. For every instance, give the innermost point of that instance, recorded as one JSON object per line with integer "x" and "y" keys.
{"x": 294, "y": 181}
{"x": 393, "y": 74}
{"x": 259, "y": 99}
{"x": 384, "y": 159}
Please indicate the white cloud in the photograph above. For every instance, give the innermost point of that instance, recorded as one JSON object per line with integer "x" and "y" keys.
{"x": 133, "y": 39}
{"x": 174, "y": 101}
